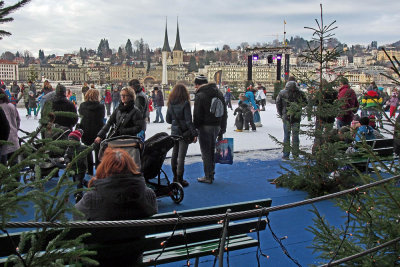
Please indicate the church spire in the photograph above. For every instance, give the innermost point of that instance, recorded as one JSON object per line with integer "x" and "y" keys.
{"x": 166, "y": 43}
{"x": 178, "y": 46}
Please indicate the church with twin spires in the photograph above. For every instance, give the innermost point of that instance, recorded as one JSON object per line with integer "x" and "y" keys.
{"x": 171, "y": 58}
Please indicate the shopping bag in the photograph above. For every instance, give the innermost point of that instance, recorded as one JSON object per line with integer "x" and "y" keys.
{"x": 224, "y": 151}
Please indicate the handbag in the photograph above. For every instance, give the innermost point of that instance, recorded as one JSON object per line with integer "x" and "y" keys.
{"x": 186, "y": 135}
{"x": 224, "y": 151}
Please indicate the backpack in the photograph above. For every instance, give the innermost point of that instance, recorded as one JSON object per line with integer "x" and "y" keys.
{"x": 217, "y": 107}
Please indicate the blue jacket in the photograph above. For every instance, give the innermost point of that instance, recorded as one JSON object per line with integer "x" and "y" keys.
{"x": 365, "y": 131}
{"x": 250, "y": 99}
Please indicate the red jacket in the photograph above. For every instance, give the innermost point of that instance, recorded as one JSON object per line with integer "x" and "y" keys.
{"x": 350, "y": 103}
{"x": 108, "y": 98}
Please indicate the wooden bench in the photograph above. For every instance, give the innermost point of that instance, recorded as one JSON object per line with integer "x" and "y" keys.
{"x": 381, "y": 148}
{"x": 192, "y": 240}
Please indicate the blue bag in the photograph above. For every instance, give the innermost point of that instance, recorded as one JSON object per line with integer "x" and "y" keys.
{"x": 224, "y": 151}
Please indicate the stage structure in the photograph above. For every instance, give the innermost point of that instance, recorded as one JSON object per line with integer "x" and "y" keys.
{"x": 270, "y": 53}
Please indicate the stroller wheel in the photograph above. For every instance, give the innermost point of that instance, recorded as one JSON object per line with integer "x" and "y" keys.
{"x": 176, "y": 192}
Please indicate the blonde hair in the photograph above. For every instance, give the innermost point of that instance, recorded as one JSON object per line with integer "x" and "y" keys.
{"x": 92, "y": 95}
{"x": 130, "y": 91}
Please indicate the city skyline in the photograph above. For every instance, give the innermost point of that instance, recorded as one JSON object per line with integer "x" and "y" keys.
{"x": 66, "y": 26}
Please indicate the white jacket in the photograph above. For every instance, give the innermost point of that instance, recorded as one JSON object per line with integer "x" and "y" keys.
{"x": 260, "y": 95}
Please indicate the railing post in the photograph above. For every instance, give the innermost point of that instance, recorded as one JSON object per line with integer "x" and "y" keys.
{"x": 223, "y": 238}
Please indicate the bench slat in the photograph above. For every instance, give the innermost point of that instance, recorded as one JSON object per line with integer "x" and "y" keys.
{"x": 197, "y": 250}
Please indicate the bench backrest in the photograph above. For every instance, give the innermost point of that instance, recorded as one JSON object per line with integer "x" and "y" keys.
{"x": 195, "y": 231}
{"x": 382, "y": 147}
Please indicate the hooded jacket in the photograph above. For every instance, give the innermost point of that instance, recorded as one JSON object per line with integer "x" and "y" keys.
{"x": 92, "y": 120}
{"x": 119, "y": 197}
{"x": 202, "y": 103}
{"x": 129, "y": 119}
{"x": 291, "y": 94}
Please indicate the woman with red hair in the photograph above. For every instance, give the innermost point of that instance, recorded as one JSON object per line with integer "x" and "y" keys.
{"x": 119, "y": 191}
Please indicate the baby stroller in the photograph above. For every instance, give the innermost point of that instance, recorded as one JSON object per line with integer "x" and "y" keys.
{"x": 149, "y": 157}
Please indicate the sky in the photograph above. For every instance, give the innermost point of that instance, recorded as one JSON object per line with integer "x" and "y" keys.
{"x": 63, "y": 26}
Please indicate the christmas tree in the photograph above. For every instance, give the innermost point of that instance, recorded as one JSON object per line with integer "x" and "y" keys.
{"x": 312, "y": 172}
{"x": 50, "y": 205}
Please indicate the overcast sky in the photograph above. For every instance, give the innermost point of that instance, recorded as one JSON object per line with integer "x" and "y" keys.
{"x": 62, "y": 26}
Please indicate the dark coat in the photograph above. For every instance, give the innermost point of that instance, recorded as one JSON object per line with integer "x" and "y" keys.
{"x": 158, "y": 99}
{"x": 92, "y": 120}
{"x": 85, "y": 89}
{"x": 396, "y": 137}
{"x": 184, "y": 115}
{"x": 5, "y": 126}
{"x": 328, "y": 112}
{"x": 72, "y": 151}
{"x": 116, "y": 95}
{"x": 32, "y": 102}
{"x": 119, "y": 197}
{"x": 61, "y": 103}
{"x": 202, "y": 103}
{"x": 128, "y": 117}
{"x": 142, "y": 103}
{"x": 291, "y": 94}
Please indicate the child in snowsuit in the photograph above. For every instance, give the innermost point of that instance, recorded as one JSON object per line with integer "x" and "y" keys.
{"x": 245, "y": 116}
{"x": 393, "y": 102}
{"x": 80, "y": 167}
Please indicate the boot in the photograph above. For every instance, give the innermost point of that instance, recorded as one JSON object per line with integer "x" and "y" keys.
{"x": 183, "y": 182}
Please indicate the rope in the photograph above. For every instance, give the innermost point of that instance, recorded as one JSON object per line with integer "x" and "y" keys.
{"x": 204, "y": 218}
{"x": 366, "y": 252}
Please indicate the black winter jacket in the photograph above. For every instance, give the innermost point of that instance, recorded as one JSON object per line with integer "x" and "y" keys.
{"x": 61, "y": 103}
{"x": 202, "y": 103}
{"x": 291, "y": 94}
{"x": 119, "y": 197}
{"x": 92, "y": 120}
{"x": 5, "y": 126}
{"x": 396, "y": 137}
{"x": 158, "y": 99}
{"x": 72, "y": 151}
{"x": 129, "y": 119}
{"x": 184, "y": 115}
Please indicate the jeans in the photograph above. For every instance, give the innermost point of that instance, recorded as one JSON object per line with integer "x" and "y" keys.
{"x": 178, "y": 158}
{"x": 159, "y": 114}
{"x": 207, "y": 140}
{"x": 291, "y": 129}
{"x": 34, "y": 111}
{"x": 108, "y": 108}
{"x": 257, "y": 117}
{"x": 115, "y": 105}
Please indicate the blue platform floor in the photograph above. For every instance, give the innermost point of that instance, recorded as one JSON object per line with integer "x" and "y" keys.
{"x": 247, "y": 179}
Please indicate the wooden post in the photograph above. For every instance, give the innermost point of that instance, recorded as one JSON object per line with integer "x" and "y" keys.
{"x": 223, "y": 238}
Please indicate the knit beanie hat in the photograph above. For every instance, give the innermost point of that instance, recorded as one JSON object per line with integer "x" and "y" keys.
{"x": 75, "y": 135}
{"x": 60, "y": 89}
{"x": 200, "y": 79}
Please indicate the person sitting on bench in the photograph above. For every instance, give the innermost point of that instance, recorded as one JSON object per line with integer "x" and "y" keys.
{"x": 364, "y": 131}
{"x": 119, "y": 193}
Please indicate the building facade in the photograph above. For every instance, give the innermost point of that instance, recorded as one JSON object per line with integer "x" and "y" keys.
{"x": 9, "y": 71}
